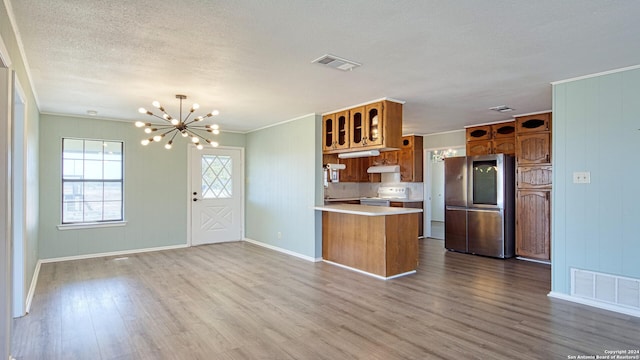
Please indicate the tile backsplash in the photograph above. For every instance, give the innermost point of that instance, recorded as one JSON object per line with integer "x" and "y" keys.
{"x": 343, "y": 190}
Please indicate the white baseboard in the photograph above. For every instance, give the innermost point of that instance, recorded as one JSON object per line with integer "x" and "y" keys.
{"x": 597, "y": 304}
{"x": 534, "y": 260}
{"x": 32, "y": 288}
{"x": 368, "y": 273}
{"x": 284, "y": 251}
{"x": 113, "y": 253}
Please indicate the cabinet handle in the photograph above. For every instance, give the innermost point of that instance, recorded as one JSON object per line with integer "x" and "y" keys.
{"x": 547, "y": 157}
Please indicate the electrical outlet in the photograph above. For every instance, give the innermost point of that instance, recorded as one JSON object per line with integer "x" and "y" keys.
{"x": 581, "y": 177}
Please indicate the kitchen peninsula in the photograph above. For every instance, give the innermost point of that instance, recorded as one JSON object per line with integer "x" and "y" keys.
{"x": 376, "y": 240}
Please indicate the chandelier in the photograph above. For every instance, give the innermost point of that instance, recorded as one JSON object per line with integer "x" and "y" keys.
{"x": 440, "y": 155}
{"x": 175, "y": 126}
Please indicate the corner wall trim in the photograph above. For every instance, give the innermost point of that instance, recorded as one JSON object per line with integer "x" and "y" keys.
{"x": 284, "y": 251}
{"x": 597, "y": 304}
{"x": 113, "y": 253}
{"x": 32, "y": 288}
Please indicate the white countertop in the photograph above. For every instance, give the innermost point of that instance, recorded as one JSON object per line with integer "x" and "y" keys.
{"x": 358, "y": 198}
{"x": 367, "y": 210}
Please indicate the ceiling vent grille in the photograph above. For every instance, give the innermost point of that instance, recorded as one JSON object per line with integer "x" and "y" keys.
{"x": 501, "y": 108}
{"x": 336, "y": 62}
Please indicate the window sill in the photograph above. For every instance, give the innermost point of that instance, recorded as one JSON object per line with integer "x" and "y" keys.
{"x": 91, "y": 225}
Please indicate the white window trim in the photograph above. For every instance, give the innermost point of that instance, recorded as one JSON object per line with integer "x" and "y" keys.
{"x": 92, "y": 225}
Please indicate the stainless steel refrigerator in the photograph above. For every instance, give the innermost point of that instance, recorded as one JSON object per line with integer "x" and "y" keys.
{"x": 479, "y": 205}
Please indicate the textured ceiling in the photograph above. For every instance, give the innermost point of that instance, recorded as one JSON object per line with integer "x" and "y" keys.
{"x": 251, "y": 59}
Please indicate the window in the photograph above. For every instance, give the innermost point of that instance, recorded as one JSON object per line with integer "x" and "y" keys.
{"x": 92, "y": 181}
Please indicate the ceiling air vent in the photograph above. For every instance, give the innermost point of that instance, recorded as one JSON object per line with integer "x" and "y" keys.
{"x": 501, "y": 108}
{"x": 336, "y": 62}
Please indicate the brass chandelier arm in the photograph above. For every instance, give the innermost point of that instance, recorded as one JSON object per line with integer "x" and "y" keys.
{"x": 178, "y": 125}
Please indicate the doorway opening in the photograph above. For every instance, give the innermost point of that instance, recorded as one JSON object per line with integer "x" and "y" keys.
{"x": 434, "y": 188}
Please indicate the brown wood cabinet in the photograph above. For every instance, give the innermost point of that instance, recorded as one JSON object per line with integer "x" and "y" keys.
{"x": 410, "y": 159}
{"x": 533, "y": 123}
{"x": 534, "y": 175}
{"x": 374, "y": 126}
{"x": 335, "y": 130}
{"x": 534, "y": 148}
{"x": 355, "y": 171}
{"x": 533, "y": 224}
{"x": 413, "y": 205}
{"x": 491, "y": 139}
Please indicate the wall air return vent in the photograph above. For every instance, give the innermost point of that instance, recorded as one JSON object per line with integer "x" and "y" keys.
{"x": 606, "y": 288}
{"x": 336, "y": 62}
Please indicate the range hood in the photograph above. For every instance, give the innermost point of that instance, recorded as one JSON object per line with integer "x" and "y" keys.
{"x": 384, "y": 169}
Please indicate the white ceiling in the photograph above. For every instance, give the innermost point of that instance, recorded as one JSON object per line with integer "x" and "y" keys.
{"x": 251, "y": 59}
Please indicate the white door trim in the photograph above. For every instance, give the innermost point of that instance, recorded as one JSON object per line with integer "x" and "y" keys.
{"x": 5, "y": 207}
{"x": 189, "y": 190}
{"x": 19, "y": 198}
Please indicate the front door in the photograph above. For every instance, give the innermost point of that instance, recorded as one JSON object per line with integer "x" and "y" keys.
{"x": 216, "y": 195}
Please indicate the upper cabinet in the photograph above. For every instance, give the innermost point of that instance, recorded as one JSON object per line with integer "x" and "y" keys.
{"x": 373, "y": 126}
{"x": 534, "y": 139}
{"x": 492, "y": 139}
{"x": 533, "y": 123}
{"x": 335, "y": 130}
{"x": 410, "y": 159}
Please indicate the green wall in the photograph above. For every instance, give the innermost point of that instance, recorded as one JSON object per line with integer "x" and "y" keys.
{"x": 31, "y": 155}
{"x": 596, "y": 128}
{"x": 283, "y": 184}
{"x": 445, "y": 140}
{"x": 156, "y": 190}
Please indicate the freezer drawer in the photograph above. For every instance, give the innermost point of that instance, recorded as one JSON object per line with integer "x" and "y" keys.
{"x": 455, "y": 229}
{"x": 486, "y": 233}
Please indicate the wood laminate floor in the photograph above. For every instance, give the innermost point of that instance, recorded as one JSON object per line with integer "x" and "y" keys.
{"x": 241, "y": 301}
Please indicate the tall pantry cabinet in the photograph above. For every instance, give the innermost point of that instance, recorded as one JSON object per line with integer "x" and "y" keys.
{"x": 533, "y": 186}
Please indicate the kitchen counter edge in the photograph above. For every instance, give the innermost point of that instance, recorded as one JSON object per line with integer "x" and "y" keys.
{"x": 367, "y": 210}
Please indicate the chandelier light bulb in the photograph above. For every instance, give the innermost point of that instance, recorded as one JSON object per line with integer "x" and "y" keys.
{"x": 172, "y": 126}
{"x": 200, "y": 147}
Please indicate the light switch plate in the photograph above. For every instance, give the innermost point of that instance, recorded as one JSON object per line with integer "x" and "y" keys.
{"x": 581, "y": 177}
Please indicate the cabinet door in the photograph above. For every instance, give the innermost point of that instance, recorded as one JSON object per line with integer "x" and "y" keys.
{"x": 534, "y": 177}
{"x": 504, "y": 130}
{"x": 357, "y": 127}
{"x": 374, "y": 124}
{"x": 533, "y": 123}
{"x": 479, "y": 133}
{"x": 481, "y": 147}
{"x": 534, "y": 149}
{"x": 341, "y": 130}
{"x": 328, "y": 136}
{"x": 504, "y": 146}
{"x": 533, "y": 225}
